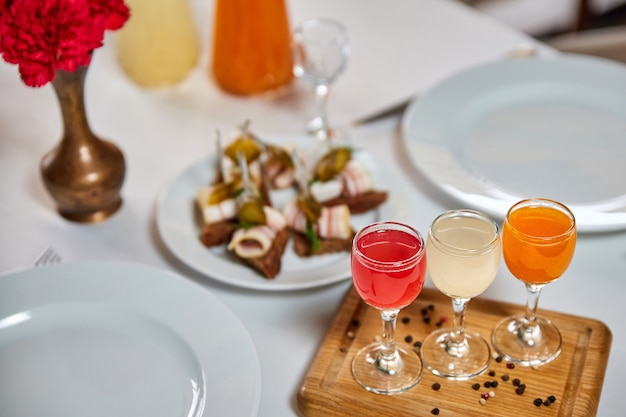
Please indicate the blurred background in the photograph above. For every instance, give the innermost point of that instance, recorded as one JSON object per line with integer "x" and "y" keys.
{"x": 594, "y": 27}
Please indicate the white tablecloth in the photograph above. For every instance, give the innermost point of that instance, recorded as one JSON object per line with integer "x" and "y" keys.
{"x": 399, "y": 48}
{"x": 538, "y": 17}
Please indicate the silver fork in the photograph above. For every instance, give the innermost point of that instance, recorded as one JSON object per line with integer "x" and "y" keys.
{"x": 48, "y": 257}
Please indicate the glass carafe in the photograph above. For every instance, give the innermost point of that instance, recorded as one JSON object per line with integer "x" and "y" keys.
{"x": 251, "y": 46}
{"x": 159, "y": 43}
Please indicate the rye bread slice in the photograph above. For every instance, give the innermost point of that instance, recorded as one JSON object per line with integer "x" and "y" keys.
{"x": 269, "y": 265}
{"x": 303, "y": 248}
{"x": 218, "y": 233}
{"x": 360, "y": 203}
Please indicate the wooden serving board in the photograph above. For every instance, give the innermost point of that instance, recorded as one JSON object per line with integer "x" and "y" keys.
{"x": 575, "y": 377}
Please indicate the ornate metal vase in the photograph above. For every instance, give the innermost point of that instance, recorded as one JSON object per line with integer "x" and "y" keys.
{"x": 83, "y": 173}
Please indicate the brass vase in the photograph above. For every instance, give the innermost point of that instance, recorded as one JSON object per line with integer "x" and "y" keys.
{"x": 83, "y": 173}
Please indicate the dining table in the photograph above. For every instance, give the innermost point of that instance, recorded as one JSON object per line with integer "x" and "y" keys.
{"x": 400, "y": 49}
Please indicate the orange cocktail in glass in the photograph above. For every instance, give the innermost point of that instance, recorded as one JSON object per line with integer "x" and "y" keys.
{"x": 538, "y": 241}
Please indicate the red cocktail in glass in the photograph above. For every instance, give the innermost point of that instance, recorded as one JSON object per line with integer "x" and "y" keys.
{"x": 388, "y": 271}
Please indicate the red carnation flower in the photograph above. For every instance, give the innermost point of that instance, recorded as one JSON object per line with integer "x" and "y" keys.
{"x": 113, "y": 12}
{"x": 4, "y": 4}
{"x": 41, "y": 36}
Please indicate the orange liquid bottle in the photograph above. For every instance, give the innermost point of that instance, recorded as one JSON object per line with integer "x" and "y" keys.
{"x": 251, "y": 46}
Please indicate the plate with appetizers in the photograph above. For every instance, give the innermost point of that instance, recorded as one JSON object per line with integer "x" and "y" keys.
{"x": 120, "y": 339}
{"x": 549, "y": 127}
{"x": 180, "y": 225}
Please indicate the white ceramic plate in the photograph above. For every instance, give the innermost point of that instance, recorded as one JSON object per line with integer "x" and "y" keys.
{"x": 550, "y": 127}
{"x": 114, "y": 339}
{"x": 177, "y": 225}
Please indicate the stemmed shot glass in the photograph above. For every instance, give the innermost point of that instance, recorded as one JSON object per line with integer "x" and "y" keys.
{"x": 463, "y": 250}
{"x": 538, "y": 242}
{"x": 388, "y": 270}
{"x": 321, "y": 50}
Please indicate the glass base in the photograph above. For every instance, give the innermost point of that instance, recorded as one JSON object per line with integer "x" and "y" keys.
{"x": 529, "y": 345}
{"x": 456, "y": 362}
{"x": 394, "y": 376}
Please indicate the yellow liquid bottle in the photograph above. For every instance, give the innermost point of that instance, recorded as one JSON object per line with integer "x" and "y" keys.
{"x": 158, "y": 45}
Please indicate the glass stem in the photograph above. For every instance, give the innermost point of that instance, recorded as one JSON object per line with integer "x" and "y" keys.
{"x": 532, "y": 300}
{"x": 457, "y": 343}
{"x": 529, "y": 332}
{"x": 319, "y": 124}
{"x": 388, "y": 359}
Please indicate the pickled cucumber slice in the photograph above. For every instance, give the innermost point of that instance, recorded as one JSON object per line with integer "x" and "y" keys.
{"x": 247, "y": 146}
{"x": 311, "y": 208}
{"x": 251, "y": 212}
{"x": 280, "y": 156}
{"x": 332, "y": 163}
{"x": 220, "y": 192}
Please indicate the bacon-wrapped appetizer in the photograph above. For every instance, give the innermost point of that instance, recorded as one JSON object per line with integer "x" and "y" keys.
{"x": 217, "y": 202}
{"x": 325, "y": 232}
{"x": 338, "y": 178}
{"x": 236, "y": 209}
{"x": 218, "y": 208}
{"x": 242, "y": 142}
{"x": 278, "y": 167}
{"x": 261, "y": 234}
{"x": 270, "y": 165}
{"x": 317, "y": 229}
